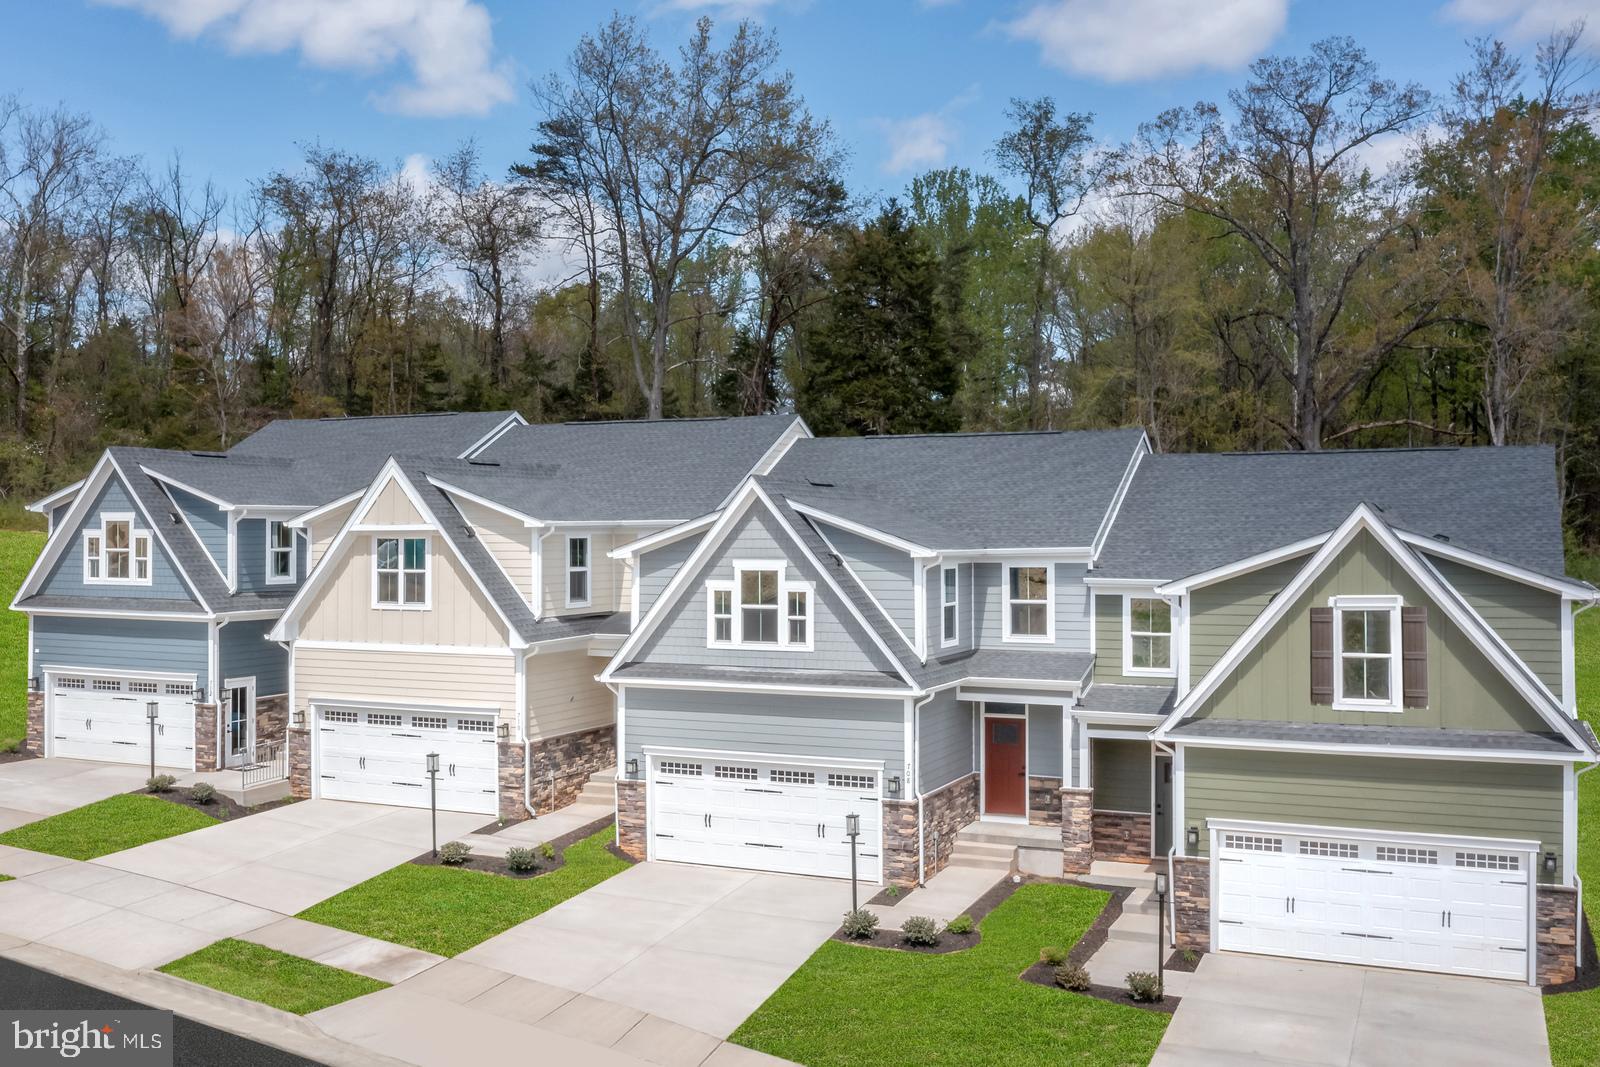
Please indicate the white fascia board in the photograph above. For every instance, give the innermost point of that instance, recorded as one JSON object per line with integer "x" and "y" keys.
{"x": 1363, "y": 518}
{"x": 1152, "y": 585}
{"x": 167, "y": 479}
{"x": 156, "y": 528}
{"x": 760, "y": 687}
{"x": 302, "y": 520}
{"x": 271, "y": 511}
{"x": 1140, "y": 450}
{"x": 1242, "y": 566}
{"x": 608, "y": 524}
{"x": 663, "y": 537}
{"x": 45, "y": 503}
{"x": 1570, "y": 588}
{"x": 1061, "y": 554}
{"x": 1472, "y": 755}
{"x": 90, "y": 488}
{"x": 910, "y": 548}
{"x": 508, "y": 423}
{"x": 105, "y": 613}
{"x": 527, "y": 520}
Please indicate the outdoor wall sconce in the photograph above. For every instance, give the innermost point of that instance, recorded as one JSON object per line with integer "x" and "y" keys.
{"x": 504, "y": 731}
{"x": 199, "y": 694}
{"x": 299, "y": 719}
{"x": 894, "y": 787}
{"x": 633, "y": 768}
{"x": 35, "y": 684}
{"x": 1191, "y": 837}
{"x": 1550, "y": 863}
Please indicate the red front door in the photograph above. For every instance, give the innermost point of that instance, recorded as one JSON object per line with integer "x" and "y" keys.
{"x": 1005, "y": 766}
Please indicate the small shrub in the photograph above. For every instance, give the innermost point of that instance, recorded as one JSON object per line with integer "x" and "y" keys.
{"x": 547, "y": 850}
{"x": 454, "y": 852}
{"x": 159, "y": 783}
{"x": 1072, "y": 977}
{"x": 11, "y": 746}
{"x": 521, "y": 859}
{"x": 1189, "y": 957}
{"x": 919, "y": 930}
{"x": 892, "y": 892}
{"x": 1052, "y": 955}
{"x": 860, "y": 924}
{"x": 202, "y": 792}
{"x": 1144, "y": 987}
{"x": 961, "y": 924}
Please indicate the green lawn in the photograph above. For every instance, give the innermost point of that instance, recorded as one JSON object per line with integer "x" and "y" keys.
{"x": 446, "y": 910}
{"x": 286, "y": 982}
{"x": 18, "y": 550}
{"x": 107, "y": 826}
{"x": 1574, "y": 1018}
{"x": 850, "y": 1005}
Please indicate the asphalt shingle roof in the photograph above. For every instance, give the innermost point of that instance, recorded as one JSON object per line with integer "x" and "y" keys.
{"x": 1351, "y": 734}
{"x": 1131, "y": 699}
{"x": 965, "y": 491}
{"x": 1187, "y": 513}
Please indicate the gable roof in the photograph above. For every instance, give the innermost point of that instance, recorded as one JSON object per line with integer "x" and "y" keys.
{"x": 966, "y": 492}
{"x": 1365, "y": 518}
{"x": 1188, "y": 513}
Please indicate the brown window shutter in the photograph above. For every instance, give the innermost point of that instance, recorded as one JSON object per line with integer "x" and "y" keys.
{"x": 1322, "y": 655}
{"x": 1414, "y": 656}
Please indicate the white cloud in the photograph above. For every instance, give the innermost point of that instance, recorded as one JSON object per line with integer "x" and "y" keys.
{"x": 1134, "y": 40}
{"x": 921, "y": 141}
{"x": 416, "y": 170}
{"x": 1525, "y": 19}
{"x": 446, "y": 45}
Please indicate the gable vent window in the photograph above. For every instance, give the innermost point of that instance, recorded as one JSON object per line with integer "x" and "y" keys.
{"x": 401, "y": 572}
{"x": 798, "y": 615}
{"x": 1252, "y": 843}
{"x": 1357, "y": 655}
{"x": 1335, "y": 849}
{"x": 1400, "y": 854}
{"x": 116, "y": 553}
{"x": 722, "y": 614}
{"x": 758, "y": 606}
{"x": 762, "y": 607}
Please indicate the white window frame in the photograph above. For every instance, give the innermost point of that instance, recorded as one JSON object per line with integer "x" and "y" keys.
{"x": 1391, "y": 604}
{"x": 949, "y": 606}
{"x": 401, "y": 571}
{"x": 273, "y": 549}
{"x": 587, "y": 570}
{"x": 786, "y": 585}
{"x": 139, "y": 541}
{"x": 1049, "y": 635}
{"x": 1128, "y": 669}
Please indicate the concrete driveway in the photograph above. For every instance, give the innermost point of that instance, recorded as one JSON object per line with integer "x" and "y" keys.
{"x": 1289, "y": 1013}
{"x": 31, "y": 789}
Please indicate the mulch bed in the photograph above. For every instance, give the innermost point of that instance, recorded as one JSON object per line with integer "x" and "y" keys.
{"x": 948, "y": 942}
{"x": 17, "y": 756}
{"x": 885, "y": 899}
{"x": 1042, "y": 973}
{"x": 1186, "y": 960}
{"x": 1588, "y": 974}
{"x": 219, "y": 807}
{"x": 497, "y": 864}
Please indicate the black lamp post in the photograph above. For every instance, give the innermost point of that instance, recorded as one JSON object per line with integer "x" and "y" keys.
{"x": 433, "y": 798}
{"x": 852, "y": 830}
{"x": 1161, "y": 931}
{"x": 151, "y": 710}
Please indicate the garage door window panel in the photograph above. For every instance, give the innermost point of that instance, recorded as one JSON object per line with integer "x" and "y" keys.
{"x": 1367, "y": 653}
{"x": 401, "y": 572}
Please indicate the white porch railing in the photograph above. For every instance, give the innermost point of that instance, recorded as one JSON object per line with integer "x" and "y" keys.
{"x": 264, "y": 763}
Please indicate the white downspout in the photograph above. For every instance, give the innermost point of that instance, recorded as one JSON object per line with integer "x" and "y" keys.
{"x": 916, "y": 756}
{"x": 522, "y": 732}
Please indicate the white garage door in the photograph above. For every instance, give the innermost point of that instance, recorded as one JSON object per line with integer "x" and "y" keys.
{"x": 1399, "y": 903}
{"x": 733, "y": 811}
{"x": 381, "y": 757}
{"x": 100, "y": 717}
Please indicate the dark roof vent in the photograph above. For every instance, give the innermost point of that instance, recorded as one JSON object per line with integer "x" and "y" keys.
{"x": 484, "y": 462}
{"x": 819, "y": 484}
{"x": 176, "y": 521}
{"x": 1442, "y": 537}
{"x": 209, "y": 455}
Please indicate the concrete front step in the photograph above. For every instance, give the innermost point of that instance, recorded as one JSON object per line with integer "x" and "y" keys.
{"x": 966, "y": 864}
{"x": 1017, "y": 836}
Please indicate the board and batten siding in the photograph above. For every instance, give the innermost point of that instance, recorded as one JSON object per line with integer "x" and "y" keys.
{"x": 405, "y": 679}
{"x": 1478, "y": 799}
{"x": 605, "y": 573}
{"x": 244, "y": 651}
{"x": 341, "y": 609}
{"x": 944, "y": 743}
{"x": 1220, "y": 612}
{"x": 887, "y": 573}
{"x": 1527, "y": 619}
{"x": 964, "y": 611}
{"x": 322, "y": 531}
{"x": 771, "y": 724}
{"x": 1273, "y": 681}
{"x": 1121, "y": 775}
{"x": 207, "y": 521}
{"x": 508, "y": 541}
{"x": 66, "y": 575}
{"x": 563, "y": 696}
{"x": 657, "y": 567}
{"x": 840, "y": 642}
{"x": 393, "y": 507}
{"x": 1071, "y": 606}
{"x": 121, "y": 644}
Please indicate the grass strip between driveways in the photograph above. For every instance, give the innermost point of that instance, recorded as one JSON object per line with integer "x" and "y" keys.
{"x": 285, "y": 982}
{"x": 107, "y": 826}
{"x": 18, "y": 550}
{"x": 850, "y": 1005}
{"x": 446, "y": 911}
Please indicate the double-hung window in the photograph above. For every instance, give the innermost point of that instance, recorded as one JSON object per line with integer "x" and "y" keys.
{"x": 401, "y": 572}
{"x": 1028, "y": 616}
{"x": 760, "y": 608}
{"x": 1147, "y": 641}
{"x": 949, "y": 605}
{"x": 577, "y": 572}
{"x": 280, "y": 553}
{"x": 1366, "y": 634}
{"x": 116, "y": 552}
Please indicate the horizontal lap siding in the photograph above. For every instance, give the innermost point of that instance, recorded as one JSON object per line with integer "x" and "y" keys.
{"x": 945, "y": 742}
{"x": 563, "y": 696}
{"x": 1071, "y": 607}
{"x": 1527, "y": 619}
{"x": 1121, "y": 773}
{"x": 965, "y": 613}
{"x": 1044, "y": 740}
{"x": 405, "y": 678}
{"x": 245, "y": 652}
{"x": 658, "y": 566}
{"x": 1219, "y": 613}
{"x": 605, "y": 573}
{"x": 771, "y": 724}
{"x": 209, "y": 524}
{"x": 66, "y": 575}
{"x": 886, "y": 573}
{"x": 1428, "y": 796}
{"x": 121, "y": 644}
{"x": 251, "y": 545}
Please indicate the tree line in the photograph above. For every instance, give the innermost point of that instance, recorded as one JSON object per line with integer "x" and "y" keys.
{"x": 1328, "y": 258}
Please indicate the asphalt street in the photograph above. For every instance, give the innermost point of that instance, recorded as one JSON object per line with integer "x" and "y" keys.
{"x": 194, "y": 1044}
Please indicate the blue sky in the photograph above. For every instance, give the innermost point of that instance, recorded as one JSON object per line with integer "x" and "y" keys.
{"x": 234, "y": 85}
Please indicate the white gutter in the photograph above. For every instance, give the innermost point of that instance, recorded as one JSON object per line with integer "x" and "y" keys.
{"x": 916, "y": 766}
